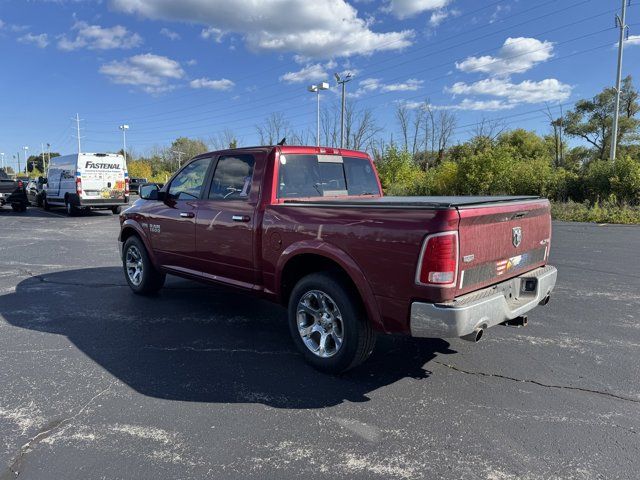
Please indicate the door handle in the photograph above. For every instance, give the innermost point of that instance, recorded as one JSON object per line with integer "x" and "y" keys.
{"x": 187, "y": 214}
{"x": 240, "y": 218}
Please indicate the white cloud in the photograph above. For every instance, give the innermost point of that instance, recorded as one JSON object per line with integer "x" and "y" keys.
{"x": 95, "y": 37}
{"x": 152, "y": 73}
{"x": 309, "y": 73}
{"x": 212, "y": 32}
{"x": 315, "y": 29}
{"x": 437, "y": 17}
{"x": 516, "y": 55}
{"x": 40, "y": 41}
{"x": 170, "y": 34}
{"x": 408, "y": 8}
{"x": 528, "y": 91}
{"x": 632, "y": 40}
{"x": 222, "y": 84}
{"x": 369, "y": 85}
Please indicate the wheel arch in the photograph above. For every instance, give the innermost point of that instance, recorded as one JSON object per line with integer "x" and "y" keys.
{"x": 130, "y": 229}
{"x": 300, "y": 260}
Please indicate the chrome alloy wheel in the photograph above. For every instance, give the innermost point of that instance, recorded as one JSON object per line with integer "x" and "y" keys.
{"x": 133, "y": 262}
{"x": 320, "y": 323}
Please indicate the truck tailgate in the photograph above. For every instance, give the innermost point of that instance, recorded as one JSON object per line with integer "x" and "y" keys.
{"x": 501, "y": 241}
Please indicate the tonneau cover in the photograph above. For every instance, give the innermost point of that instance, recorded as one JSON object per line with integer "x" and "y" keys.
{"x": 416, "y": 202}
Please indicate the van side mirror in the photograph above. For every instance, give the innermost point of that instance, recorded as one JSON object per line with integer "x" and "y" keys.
{"x": 150, "y": 191}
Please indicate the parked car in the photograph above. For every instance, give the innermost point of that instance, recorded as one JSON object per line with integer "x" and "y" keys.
{"x": 134, "y": 184}
{"x": 12, "y": 192}
{"x": 310, "y": 228}
{"x": 35, "y": 191}
{"x": 87, "y": 181}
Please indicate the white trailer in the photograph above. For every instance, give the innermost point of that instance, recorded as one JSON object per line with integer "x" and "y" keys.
{"x": 87, "y": 180}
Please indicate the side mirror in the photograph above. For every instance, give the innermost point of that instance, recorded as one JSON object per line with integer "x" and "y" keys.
{"x": 150, "y": 191}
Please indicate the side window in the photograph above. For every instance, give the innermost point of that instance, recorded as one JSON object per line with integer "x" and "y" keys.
{"x": 187, "y": 185}
{"x": 232, "y": 178}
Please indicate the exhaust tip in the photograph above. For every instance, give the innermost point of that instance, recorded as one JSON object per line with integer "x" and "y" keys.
{"x": 545, "y": 300}
{"x": 474, "y": 336}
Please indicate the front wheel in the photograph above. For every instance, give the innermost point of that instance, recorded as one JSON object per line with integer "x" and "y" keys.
{"x": 19, "y": 207}
{"x": 328, "y": 323}
{"x": 143, "y": 278}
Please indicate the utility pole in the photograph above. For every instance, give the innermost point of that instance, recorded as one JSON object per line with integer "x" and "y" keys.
{"x": 2, "y": 155}
{"x": 124, "y": 129}
{"x": 18, "y": 163}
{"x": 342, "y": 81}
{"x": 624, "y": 28}
{"x": 179, "y": 157}
{"x": 48, "y": 158}
{"x": 25, "y": 148}
{"x": 316, "y": 89}
{"x": 77, "y": 120}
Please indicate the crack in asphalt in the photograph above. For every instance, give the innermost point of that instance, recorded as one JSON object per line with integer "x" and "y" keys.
{"x": 540, "y": 384}
{"x": 14, "y": 469}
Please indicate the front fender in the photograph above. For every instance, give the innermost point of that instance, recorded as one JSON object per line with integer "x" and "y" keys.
{"x": 342, "y": 258}
{"x": 131, "y": 224}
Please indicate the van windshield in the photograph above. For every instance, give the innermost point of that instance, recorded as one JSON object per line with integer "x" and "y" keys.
{"x": 325, "y": 176}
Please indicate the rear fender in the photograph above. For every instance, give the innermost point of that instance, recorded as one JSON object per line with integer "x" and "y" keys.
{"x": 340, "y": 257}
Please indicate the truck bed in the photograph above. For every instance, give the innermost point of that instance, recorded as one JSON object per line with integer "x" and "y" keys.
{"x": 409, "y": 202}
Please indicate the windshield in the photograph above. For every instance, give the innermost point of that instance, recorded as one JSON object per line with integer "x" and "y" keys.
{"x": 325, "y": 176}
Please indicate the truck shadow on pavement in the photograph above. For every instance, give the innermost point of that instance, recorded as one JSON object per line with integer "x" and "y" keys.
{"x": 198, "y": 343}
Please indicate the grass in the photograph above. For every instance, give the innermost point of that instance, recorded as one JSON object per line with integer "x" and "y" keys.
{"x": 597, "y": 213}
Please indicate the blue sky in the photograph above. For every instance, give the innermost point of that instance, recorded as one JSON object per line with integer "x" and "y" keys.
{"x": 196, "y": 67}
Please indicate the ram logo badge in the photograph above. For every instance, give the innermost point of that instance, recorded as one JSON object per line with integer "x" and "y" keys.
{"x": 516, "y": 236}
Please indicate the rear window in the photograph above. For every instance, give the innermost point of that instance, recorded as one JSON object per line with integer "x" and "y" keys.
{"x": 325, "y": 176}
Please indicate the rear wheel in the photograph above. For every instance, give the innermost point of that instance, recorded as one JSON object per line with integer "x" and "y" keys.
{"x": 70, "y": 209}
{"x": 19, "y": 207}
{"x": 141, "y": 275}
{"x": 115, "y": 210}
{"x": 328, "y": 323}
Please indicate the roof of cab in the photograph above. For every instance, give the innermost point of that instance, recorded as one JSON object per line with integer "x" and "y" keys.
{"x": 290, "y": 149}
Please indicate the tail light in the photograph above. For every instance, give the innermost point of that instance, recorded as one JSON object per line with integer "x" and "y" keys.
{"x": 126, "y": 186}
{"x": 438, "y": 263}
{"x": 79, "y": 185}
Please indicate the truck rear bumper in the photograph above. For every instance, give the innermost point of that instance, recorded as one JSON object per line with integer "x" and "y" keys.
{"x": 484, "y": 308}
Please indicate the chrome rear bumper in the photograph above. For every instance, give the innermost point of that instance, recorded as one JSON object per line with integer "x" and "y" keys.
{"x": 483, "y": 308}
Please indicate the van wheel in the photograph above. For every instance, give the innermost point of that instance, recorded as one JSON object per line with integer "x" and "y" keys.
{"x": 19, "y": 207}
{"x": 141, "y": 275}
{"x": 328, "y": 323}
{"x": 70, "y": 209}
{"x": 115, "y": 210}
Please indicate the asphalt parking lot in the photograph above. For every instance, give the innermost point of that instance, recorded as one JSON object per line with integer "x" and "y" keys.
{"x": 201, "y": 382}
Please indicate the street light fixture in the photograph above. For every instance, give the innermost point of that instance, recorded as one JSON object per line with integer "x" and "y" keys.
{"x": 124, "y": 129}
{"x": 316, "y": 89}
{"x": 342, "y": 81}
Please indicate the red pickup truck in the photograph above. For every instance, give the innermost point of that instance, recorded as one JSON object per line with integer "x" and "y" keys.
{"x": 310, "y": 228}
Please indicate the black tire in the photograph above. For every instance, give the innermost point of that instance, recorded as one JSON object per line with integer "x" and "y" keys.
{"x": 358, "y": 335}
{"x": 19, "y": 207}
{"x": 71, "y": 210}
{"x": 151, "y": 279}
{"x": 115, "y": 210}
{"x": 45, "y": 204}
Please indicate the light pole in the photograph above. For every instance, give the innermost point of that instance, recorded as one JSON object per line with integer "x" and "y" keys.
{"x": 2, "y": 155}
{"x": 124, "y": 129}
{"x": 25, "y": 158}
{"x": 179, "y": 157}
{"x": 316, "y": 89}
{"x": 342, "y": 81}
{"x": 48, "y": 158}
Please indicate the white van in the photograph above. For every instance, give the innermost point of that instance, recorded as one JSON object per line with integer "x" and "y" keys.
{"x": 87, "y": 180}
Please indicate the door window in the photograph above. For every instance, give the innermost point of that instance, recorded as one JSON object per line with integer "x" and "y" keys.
{"x": 232, "y": 178}
{"x": 187, "y": 185}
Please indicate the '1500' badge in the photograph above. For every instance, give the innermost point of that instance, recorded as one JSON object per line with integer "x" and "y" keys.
{"x": 516, "y": 236}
